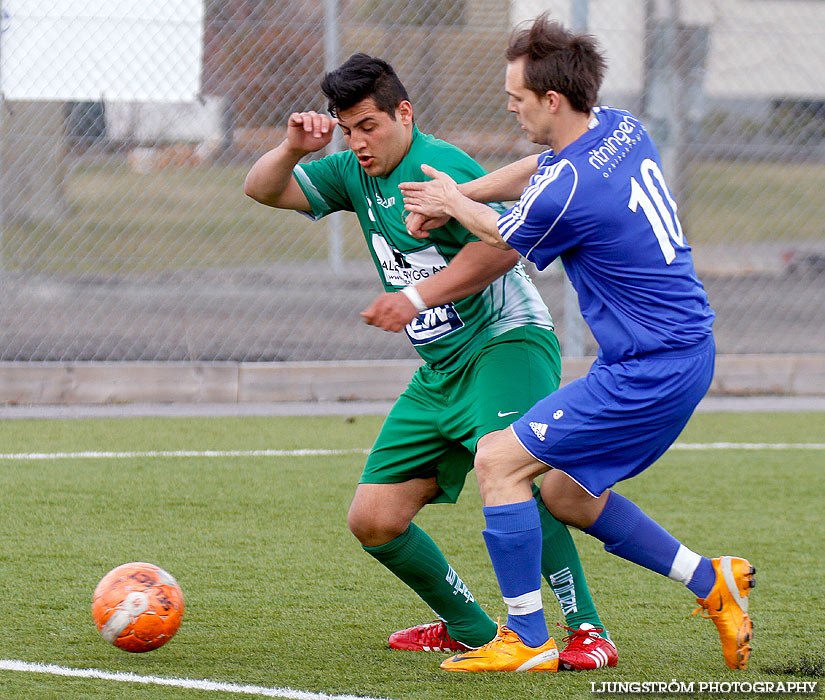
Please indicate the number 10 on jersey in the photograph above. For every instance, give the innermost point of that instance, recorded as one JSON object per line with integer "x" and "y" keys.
{"x": 651, "y": 196}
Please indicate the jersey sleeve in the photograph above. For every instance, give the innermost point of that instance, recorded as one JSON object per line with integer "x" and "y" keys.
{"x": 535, "y": 225}
{"x": 323, "y": 184}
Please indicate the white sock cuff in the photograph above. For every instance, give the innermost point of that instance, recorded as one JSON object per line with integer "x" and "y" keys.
{"x": 524, "y": 604}
{"x": 684, "y": 565}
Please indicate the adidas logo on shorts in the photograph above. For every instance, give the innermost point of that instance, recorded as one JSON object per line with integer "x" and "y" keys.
{"x": 539, "y": 429}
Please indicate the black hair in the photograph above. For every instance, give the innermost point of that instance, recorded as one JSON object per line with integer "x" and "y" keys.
{"x": 359, "y": 77}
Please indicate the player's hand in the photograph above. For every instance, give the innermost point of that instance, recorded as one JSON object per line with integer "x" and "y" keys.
{"x": 309, "y": 131}
{"x": 391, "y": 311}
{"x": 419, "y": 226}
{"x": 432, "y": 198}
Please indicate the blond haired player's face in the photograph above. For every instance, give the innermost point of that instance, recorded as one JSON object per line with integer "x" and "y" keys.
{"x": 378, "y": 141}
{"x": 530, "y": 109}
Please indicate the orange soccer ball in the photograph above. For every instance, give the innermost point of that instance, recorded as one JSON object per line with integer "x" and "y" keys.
{"x": 137, "y": 606}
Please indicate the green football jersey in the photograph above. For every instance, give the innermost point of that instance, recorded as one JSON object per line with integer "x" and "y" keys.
{"x": 445, "y": 336}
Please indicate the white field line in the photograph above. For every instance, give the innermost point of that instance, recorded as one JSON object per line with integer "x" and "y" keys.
{"x": 748, "y": 446}
{"x": 360, "y": 451}
{"x": 181, "y": 453}
{"x": 14, "y": 665}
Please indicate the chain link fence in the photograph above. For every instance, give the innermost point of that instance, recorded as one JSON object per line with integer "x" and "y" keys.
{"x": 127, "y": 128}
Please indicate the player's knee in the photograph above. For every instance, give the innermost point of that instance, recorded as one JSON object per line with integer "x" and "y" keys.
{"x": 561, "y": 509}
{"x": 562, "y": 504}
{"x": 569, "y": 503}
{"x": 487, "y": 462}
{"x": 482, "y": 463}
{"x": 372, "y": 529}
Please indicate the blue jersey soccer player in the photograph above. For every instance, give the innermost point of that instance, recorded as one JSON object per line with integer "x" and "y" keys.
{"x": 599, "y": 200}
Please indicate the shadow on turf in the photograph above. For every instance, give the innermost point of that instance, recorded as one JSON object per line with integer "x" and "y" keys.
{"x": 804, "y": 666}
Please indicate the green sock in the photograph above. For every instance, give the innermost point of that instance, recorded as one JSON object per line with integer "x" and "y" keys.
{"x": 417, "y": 561}
{"x": 562, "y": 569}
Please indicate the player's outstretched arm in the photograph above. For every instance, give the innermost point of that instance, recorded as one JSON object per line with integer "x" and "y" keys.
{"x": 506, "y": 183}
{"x": 474, "y": 267}
{"x": 270, "y": 181}
{"x": 441, "y": 197}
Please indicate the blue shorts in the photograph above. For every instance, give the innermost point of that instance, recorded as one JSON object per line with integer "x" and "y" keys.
{"x": 620, "y": 418}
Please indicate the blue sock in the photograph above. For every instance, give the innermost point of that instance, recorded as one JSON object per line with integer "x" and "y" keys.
{"x": 513, "y": 537}
{"x": 703, "y": 579}
{"x": 630, "y": 534}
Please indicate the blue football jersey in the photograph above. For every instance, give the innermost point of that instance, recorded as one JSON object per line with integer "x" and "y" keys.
{"x": 602, "y": 204}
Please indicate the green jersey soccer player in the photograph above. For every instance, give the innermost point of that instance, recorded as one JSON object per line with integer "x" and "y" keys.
{"x": 472, "y": 315}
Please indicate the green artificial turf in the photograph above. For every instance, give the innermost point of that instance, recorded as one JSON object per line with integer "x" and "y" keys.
{"x": 279, "y": 593}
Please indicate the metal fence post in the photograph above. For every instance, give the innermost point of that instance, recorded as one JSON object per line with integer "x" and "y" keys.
{"x": 573, "y": 345}
{"x": 332, "y": 44}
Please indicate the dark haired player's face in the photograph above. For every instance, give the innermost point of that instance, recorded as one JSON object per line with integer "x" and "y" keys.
{"x": 378, "y": 141}
{"x": 530, "y": 109}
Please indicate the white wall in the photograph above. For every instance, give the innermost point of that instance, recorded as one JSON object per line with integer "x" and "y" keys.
{"x": 78, "y": 50}
{"x": 150, "y": 122}
{"x": 759, "y": 49}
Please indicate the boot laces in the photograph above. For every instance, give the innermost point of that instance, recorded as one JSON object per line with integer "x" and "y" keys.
{"x": 434, "y": 634}
{"x": 502, "y": 633}
{"x": 576, "y": 638}
{"x": 703, "y": 611}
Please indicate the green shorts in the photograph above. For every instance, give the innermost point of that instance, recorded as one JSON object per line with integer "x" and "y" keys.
{"x": 433, "y": 428}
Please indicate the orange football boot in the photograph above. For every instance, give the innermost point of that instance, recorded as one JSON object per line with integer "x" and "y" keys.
{"x": 506, "y": 653}
{"x": 727, "y": 606}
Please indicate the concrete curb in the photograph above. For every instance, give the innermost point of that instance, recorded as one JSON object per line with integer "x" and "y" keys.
{"x": 102, "y": 383}
{"x": 348, "y": 409}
